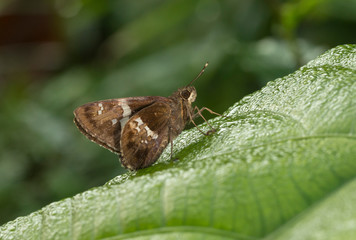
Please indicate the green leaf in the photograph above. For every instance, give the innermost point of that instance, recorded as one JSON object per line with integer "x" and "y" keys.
{"x": 281, "y": 166}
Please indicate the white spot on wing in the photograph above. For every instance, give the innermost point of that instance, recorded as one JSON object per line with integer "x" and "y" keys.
{"x": 114, "y": 121}
{"x": 148, "y": 130}
{"x": 139, "y": 123}
{"x": 126, "y": 113}
{"x": 101, "y": 109}
{"x": 151, "y": 133}
{"x": 125, "y": 108}
{"x": 123, "y": 121}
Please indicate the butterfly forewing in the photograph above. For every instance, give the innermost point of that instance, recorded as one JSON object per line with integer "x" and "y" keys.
{"x": 103, "y": 121}
{"x": 145, "y": 136}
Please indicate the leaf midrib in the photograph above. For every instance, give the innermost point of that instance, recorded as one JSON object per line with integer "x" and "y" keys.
{"x": 185, "y": 229}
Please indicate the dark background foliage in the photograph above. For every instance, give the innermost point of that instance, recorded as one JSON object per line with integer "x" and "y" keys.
{"x": 56, "y": 55}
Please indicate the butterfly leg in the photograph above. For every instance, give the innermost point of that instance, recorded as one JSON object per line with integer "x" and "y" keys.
{"x": 204, "y": 133}
{"x": 170, "y": 139}
{"x": 205, "y": 108}
{"x": 199, "y": 112}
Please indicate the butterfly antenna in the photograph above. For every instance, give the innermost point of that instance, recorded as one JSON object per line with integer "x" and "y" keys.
{"x": 201, "y": 72}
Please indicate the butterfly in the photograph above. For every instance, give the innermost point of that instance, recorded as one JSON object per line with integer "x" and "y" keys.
{"x": 138, "y": 129}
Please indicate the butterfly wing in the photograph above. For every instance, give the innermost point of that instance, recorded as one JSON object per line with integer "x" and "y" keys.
{"x": 146, "y": 135}
{"x": 103, "y": 121}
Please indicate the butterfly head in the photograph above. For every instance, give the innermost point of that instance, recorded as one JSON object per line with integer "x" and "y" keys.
{"x": 188, "y": 94}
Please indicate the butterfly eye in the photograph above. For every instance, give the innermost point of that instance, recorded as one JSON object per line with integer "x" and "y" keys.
{"x": 185, "y": 94}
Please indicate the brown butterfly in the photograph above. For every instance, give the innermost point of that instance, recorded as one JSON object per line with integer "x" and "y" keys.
{"x": 140, "y": 128}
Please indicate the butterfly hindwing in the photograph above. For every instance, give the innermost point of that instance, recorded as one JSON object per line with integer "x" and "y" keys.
{"x": 103, "y": 121}
{"x": 146, "y": 135}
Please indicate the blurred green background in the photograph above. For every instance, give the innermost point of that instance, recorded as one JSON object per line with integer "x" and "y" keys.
{"x": 58, "y": 54}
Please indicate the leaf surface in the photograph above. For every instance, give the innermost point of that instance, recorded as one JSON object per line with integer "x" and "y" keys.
{"x": 280, "y": 166}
